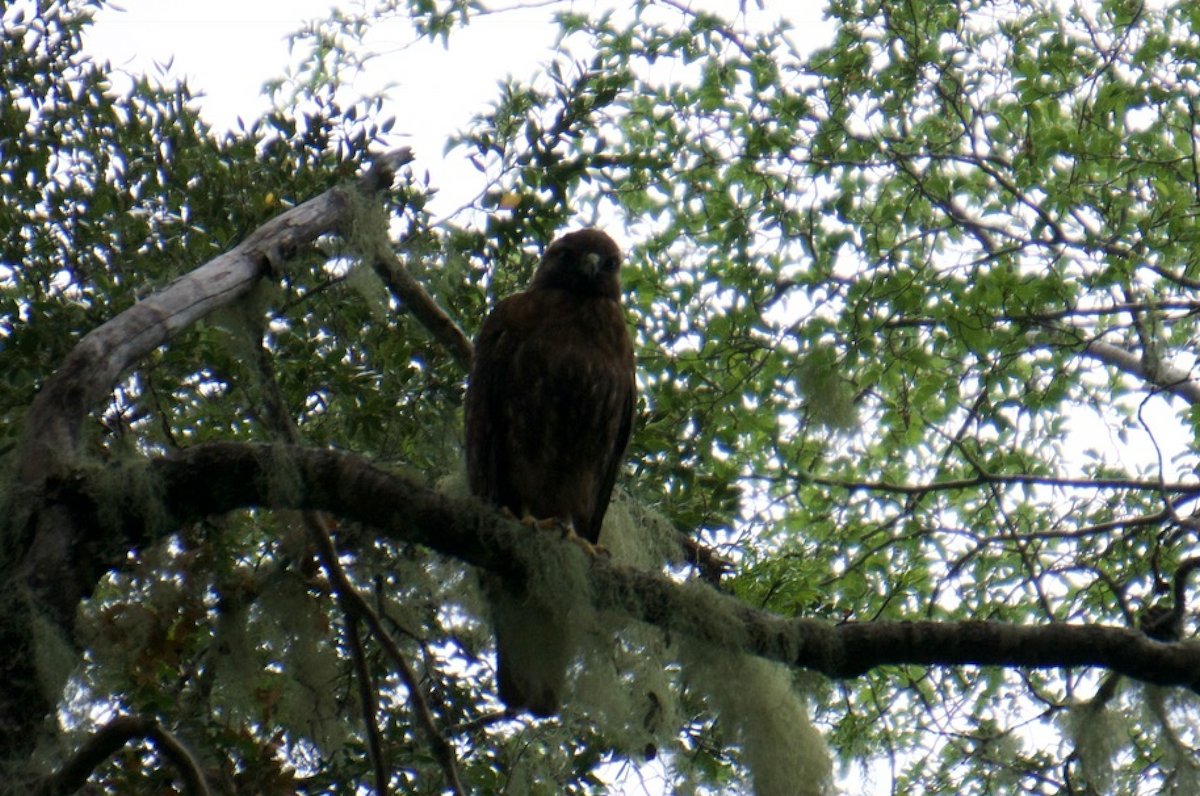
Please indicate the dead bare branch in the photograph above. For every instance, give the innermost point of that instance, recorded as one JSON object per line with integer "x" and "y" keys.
{"x": 94, "y": 365}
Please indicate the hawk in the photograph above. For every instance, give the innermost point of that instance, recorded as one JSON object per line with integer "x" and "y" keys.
{"x": 549, "y": 407}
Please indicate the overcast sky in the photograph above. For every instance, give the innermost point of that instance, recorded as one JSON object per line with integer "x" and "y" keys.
{"x": 227, "y": 50}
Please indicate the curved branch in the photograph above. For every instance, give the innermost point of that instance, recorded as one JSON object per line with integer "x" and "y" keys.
{"x": 109, "y": 740}
{"x": 46, "y": 554}
{"x": 219, "y": 477}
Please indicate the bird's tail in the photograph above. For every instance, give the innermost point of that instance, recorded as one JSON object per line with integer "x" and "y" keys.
{"x": 533, "y": 650}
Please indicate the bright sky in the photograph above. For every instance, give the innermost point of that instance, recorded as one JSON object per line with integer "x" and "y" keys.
{"x": 227, "y": 50}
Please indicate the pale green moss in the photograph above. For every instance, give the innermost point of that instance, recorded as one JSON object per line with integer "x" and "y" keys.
{"x": 1099, "y": 735}
{"x": 639, "y": 537}
{"x": 367, "y": 285}
{"x": 54, "y": 657}
{"x": 303, "y": 688}
{"x": 827, "y": 396}
{"x": 766, "y": 717}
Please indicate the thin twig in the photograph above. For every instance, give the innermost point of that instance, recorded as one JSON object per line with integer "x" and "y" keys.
{"x": 345, "y": 595}
{"x": 479, "y": 723}
{"x": 357, "y": 605}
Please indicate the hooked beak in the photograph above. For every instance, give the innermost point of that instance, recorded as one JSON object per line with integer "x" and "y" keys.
{"x": 591, "y": 264}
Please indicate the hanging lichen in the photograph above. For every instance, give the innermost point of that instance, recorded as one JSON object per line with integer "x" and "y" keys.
{"x": 1099, "y": 735}
{"x": 276, "y": 661}
{"x": 767, "y": 719}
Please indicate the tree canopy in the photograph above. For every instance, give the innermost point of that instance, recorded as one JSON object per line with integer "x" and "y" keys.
{"x": 910, "y": 504}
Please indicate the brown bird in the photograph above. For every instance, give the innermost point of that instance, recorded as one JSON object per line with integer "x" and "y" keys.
{"x": 549, "y": 408}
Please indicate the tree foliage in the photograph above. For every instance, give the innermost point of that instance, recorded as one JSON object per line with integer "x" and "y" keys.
{"x": 914, "y": 311}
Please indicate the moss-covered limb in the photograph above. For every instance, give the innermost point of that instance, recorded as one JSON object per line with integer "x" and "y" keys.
{"x": 42, "y": 539}
{"x": 866, "y": 645}
{"x": 219, "y": 477}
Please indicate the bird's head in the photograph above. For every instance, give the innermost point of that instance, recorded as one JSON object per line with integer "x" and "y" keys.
{"x": 585, "y": 262}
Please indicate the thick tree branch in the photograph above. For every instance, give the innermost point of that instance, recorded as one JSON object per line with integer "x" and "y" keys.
{"x": 46, "y": 553}
{"x": 48, "y": 544}
{"x": 219, "y": 477}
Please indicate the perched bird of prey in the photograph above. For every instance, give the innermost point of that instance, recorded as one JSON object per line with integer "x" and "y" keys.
{"x": 549, "y": 407}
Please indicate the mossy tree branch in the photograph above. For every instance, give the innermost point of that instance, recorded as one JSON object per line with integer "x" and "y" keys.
{"x": 96, "y": 362}
{"x": 220, "y": 477}
{"x": 92, "y": 368}
{"x": 61, "y": 555}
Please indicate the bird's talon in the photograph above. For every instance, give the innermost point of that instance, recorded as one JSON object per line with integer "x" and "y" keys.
{"x": 593, "y": 550}
{"x": 564, "y": 528}
{"x": 530, "y": 521}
